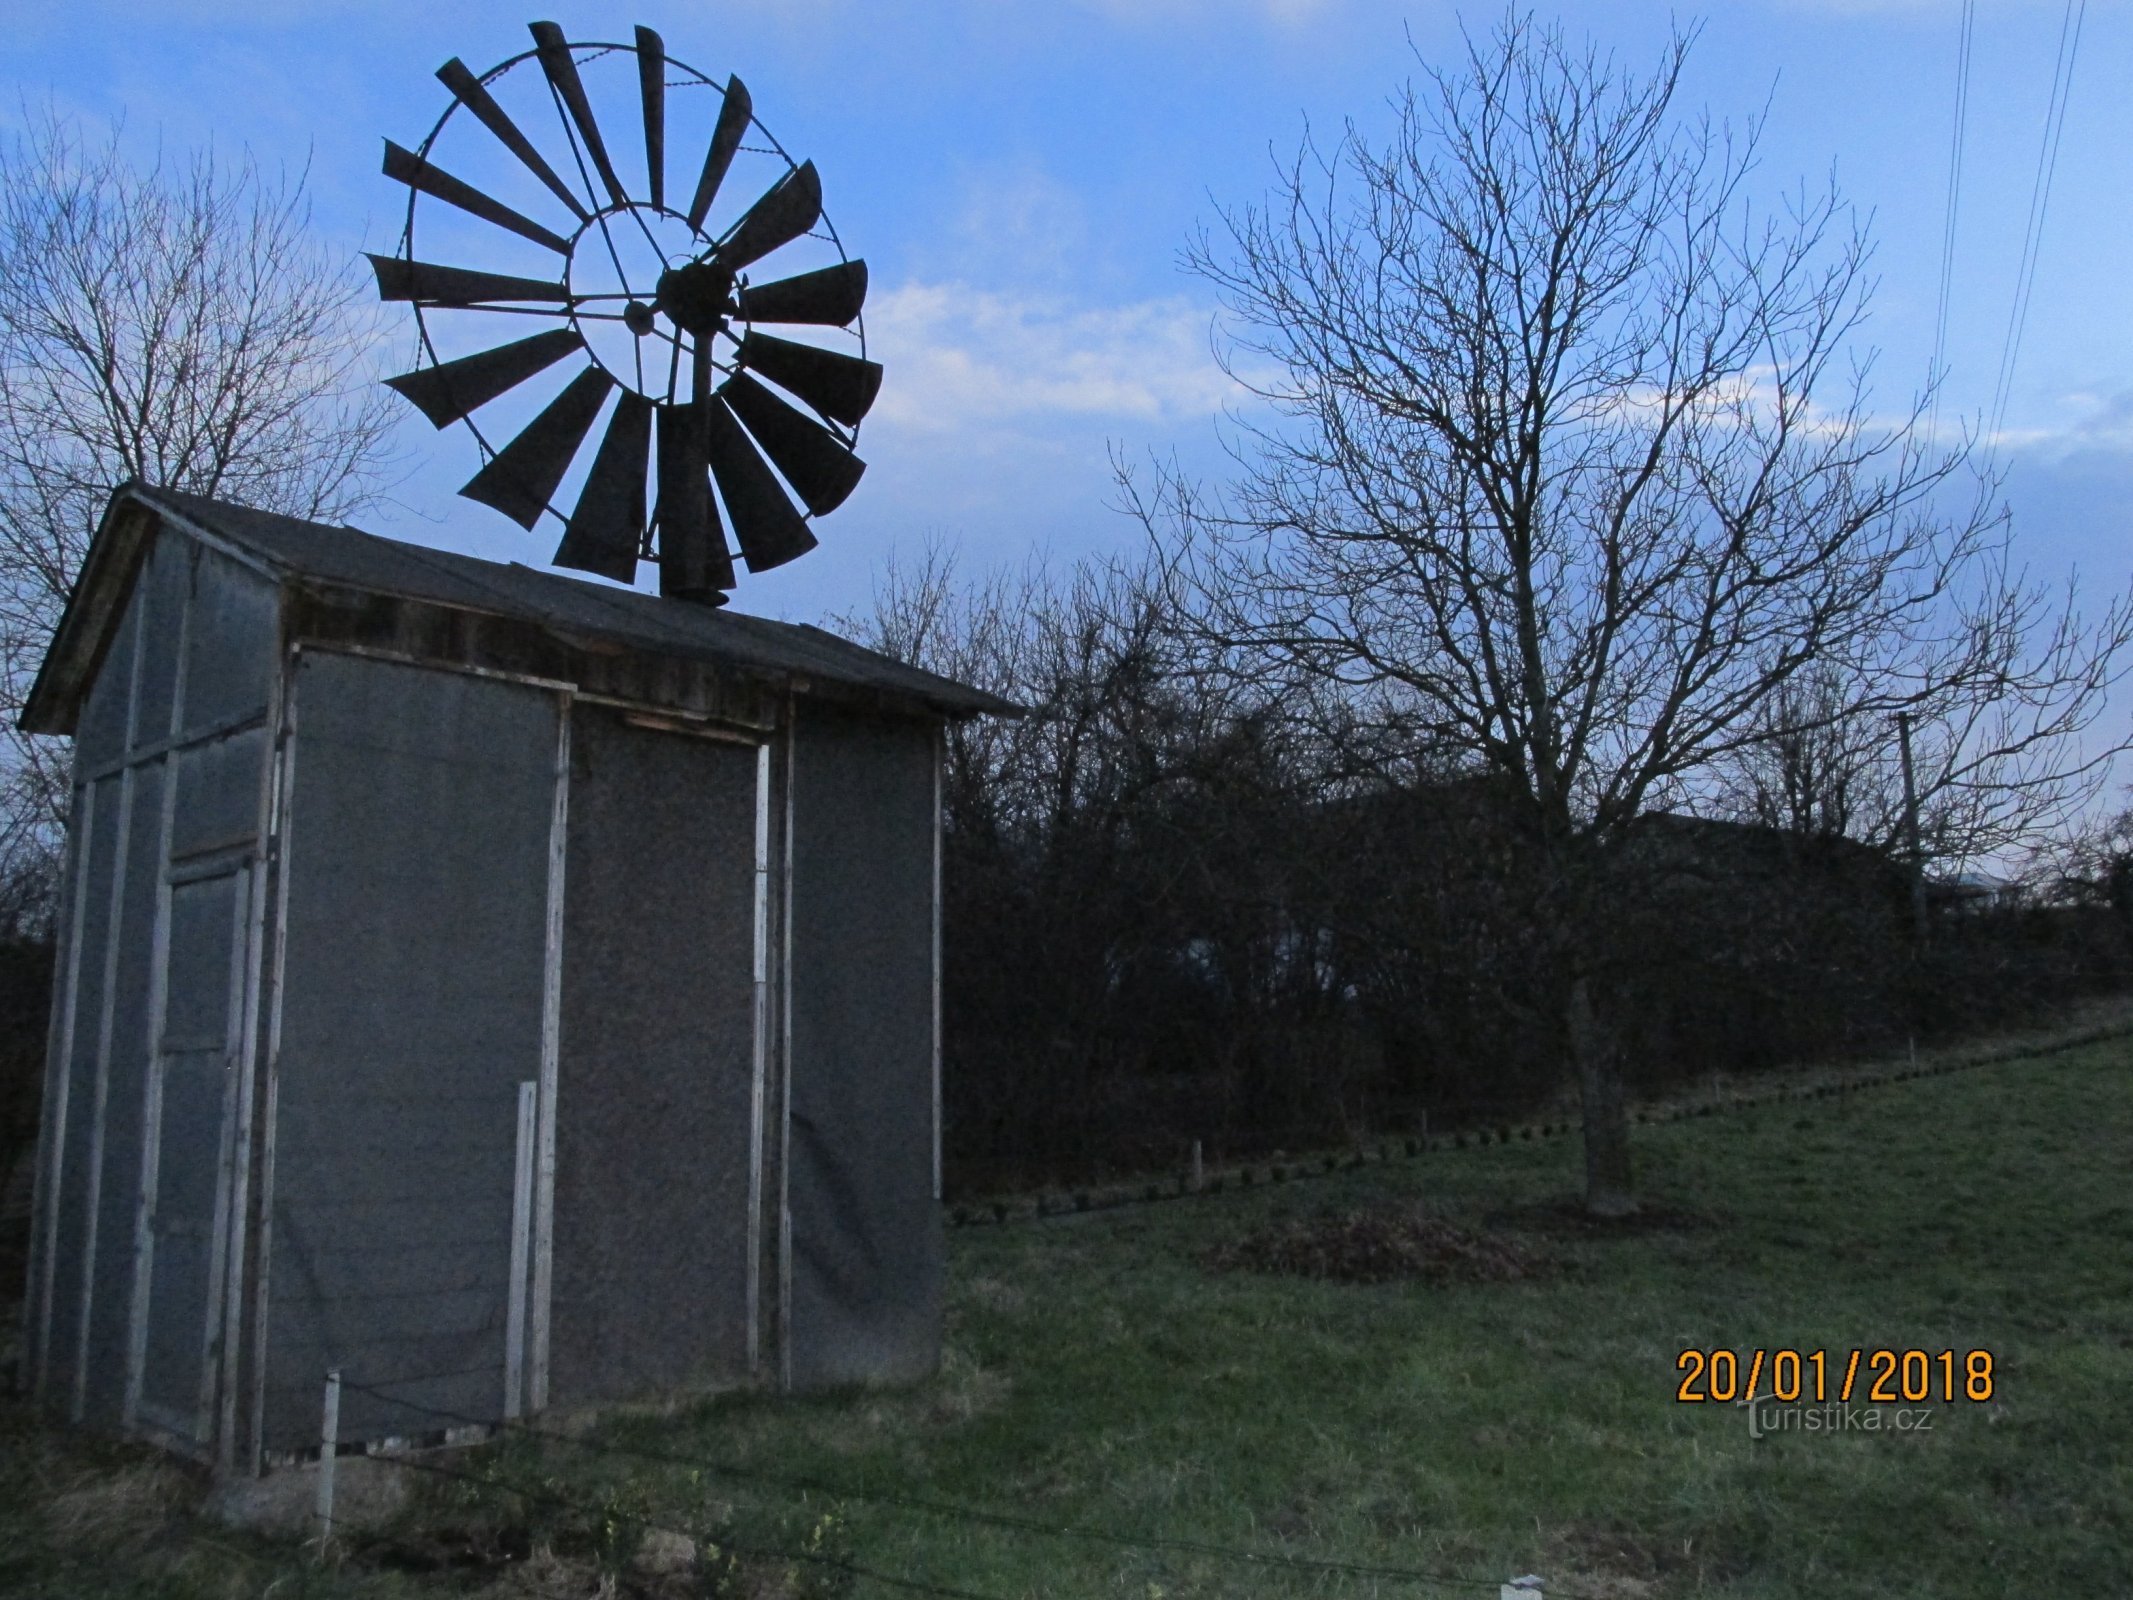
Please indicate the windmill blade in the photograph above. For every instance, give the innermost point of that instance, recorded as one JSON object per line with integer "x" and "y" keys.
{"x": 694, "y": 563}
{"x": 839, "y": 386}
{"x": 652, "y": 82}
{"x": 733, "y": 115}
{"x": 788, "y": 210}
{"x": 819, "y": 465}
{"x": 562, "y": 70}
{"x": 608, "y": 520}
{"x": 831, "y": 297}
{"x": 468, "y": 91}
{"x": 404, "y": 166}
{"x": 521, "y": 478}
{"x": 770, "y": 532}
{"x": 453, "y": 389}
{"x": 457, "y": 286}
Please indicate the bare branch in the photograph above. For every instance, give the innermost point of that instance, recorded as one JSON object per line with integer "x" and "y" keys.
{"x": 177, "y": 323}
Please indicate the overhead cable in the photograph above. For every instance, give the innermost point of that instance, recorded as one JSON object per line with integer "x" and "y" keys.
{"x": 2039, "y": 202}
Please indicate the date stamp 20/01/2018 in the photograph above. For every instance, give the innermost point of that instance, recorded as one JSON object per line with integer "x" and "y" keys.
{"x": 1880, "y": 1377}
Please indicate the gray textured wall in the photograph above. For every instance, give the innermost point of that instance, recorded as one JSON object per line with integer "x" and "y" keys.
{"x": 655, "y": 1086}
{"x": 866, "y": 1231}
{"x": 418, "y": 869}
{"x": 193, "y": 651}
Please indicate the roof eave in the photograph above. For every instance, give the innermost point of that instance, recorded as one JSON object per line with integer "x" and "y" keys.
{"x": 136, "y": 510}
{"x": 93, "y": 611}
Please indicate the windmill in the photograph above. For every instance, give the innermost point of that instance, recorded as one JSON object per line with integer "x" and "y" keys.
{"x": 657, "y": 302}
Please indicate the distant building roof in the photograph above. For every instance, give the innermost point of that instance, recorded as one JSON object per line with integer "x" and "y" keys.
{"x": 314, "y": 553}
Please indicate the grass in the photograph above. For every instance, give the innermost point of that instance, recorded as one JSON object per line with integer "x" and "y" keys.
{"x": 1100, "y": 1375}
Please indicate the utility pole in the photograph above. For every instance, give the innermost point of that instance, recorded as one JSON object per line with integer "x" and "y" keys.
{"x": 1910, "y": 825}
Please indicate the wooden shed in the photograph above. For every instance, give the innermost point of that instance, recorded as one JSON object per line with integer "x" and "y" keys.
{"x": 514, "y": 992}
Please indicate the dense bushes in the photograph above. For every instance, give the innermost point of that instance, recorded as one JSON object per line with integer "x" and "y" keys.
{"x": 1181, "y": 905}
{"x": 25, "y": 991}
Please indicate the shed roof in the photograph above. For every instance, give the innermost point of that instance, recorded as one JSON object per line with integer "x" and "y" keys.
{"x": 292, "y": 550}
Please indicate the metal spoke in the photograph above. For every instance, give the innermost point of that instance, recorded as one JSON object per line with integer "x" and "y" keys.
{"x": 577, "y": 155}
{"x": 525, "y": 311}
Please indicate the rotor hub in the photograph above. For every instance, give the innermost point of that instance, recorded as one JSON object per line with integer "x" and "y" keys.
{"x": 641, "y": 285}
{"x": 697, "y": 296}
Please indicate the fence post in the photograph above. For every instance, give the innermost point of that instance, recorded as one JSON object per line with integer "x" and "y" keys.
{"x": 1199, "y": 1172}
{"x": 329, "y": 1444}
{"x": 521, "y": 1250}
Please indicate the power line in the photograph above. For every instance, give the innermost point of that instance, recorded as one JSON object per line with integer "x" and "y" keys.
{"x": 1936, "y": 370}
{"x": 2070, "y": 22}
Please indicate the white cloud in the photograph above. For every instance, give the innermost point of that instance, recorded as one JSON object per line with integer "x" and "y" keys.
{"x": 1934, "y": 10}
{"x": 2105, "y": 420}
{"x": 1295, "y": 13}
{"x": 1013, "y": 224}
{"x": 968, "y": 359}
{"x": 2070, "y": 423}
{"x": 1287, "y": 14}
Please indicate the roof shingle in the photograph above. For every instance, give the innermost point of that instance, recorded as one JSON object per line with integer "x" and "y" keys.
{"x": 350, "y": 558}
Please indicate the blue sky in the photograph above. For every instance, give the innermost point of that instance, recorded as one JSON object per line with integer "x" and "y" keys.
{"x": 1020, "y": 178}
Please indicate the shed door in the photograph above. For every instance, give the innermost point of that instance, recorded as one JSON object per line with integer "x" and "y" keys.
{"x": 185, "y": 1178}
{"x": 656, "y": 1103}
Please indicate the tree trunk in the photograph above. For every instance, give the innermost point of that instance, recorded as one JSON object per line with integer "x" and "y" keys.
{"x": 1608, "y": 1179}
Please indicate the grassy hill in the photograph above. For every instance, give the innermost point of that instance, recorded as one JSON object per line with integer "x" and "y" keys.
{"x": 1502, "y": 1402}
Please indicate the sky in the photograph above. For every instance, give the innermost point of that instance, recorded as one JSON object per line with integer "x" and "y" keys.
{"x": 1021, "y": 179}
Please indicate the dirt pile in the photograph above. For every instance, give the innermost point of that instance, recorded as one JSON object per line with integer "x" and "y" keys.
{"x": 1378, "y": 1245}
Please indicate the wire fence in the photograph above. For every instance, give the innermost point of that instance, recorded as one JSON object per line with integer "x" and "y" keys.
{"x": 462, "y": 1427}
{"x": 893, "y": 1500}
{"x": 1193, "y": 1179}
{"x": 1126, "y": 1142}
{"x": 753, "y": 1550}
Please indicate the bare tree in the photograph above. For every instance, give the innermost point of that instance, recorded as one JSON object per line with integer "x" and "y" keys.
{"x": 177, "y": 323}
{"x": 1815, "y": 772}
{"x": 2004, "y": 753}
{"x": 2089, "y": 865}
{"x": 1573, "y": 473}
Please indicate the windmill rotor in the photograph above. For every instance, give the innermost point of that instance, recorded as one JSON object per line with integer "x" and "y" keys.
{"x": 638, "y": 359}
